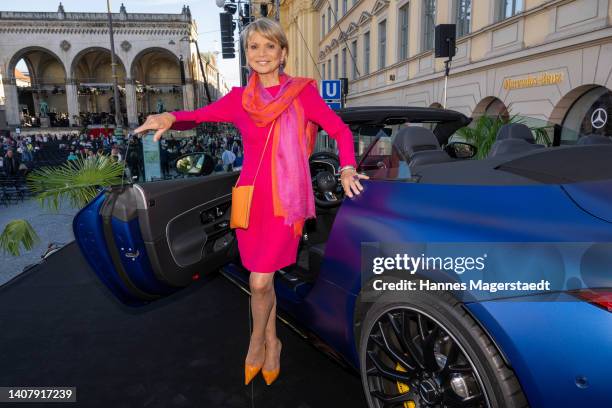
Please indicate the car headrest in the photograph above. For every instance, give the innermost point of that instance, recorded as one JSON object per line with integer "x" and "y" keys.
{"x": 593, "y": 139}
{"x": 412, "y": 139}
{"x": 429, "y": 157}
{"x": 512, "y": 146}
{"x": 515, "y": 131}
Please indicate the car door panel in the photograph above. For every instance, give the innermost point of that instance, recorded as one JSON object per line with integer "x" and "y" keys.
{"x": 89, "y": 235}
{"x": 176, "y": 230}
{"x": 156, "y": 238}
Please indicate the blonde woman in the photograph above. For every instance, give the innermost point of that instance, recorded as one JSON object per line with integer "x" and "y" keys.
{"x": 289, "y": 109}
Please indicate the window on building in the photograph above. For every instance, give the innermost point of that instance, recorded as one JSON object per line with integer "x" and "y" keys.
{"x": 335, "y": 11}
{"x": 354, "y": 58}
{"x": 336, "y": 66}
{"x": 589, "y": 115}
{"x": 329, "y": 69}
{"x": 429, "y": 24}
{"x": 322, "y": 26}
{"x": 382, "y": 43}
{"x": 404, "y": 16}
{"x": 366, "y": 53}
{"x": 344, "y": 63}
{"x": 328, "y": 19}
{"x": 323, "y": 72}
{"x": 508, "y": 8}
{"x": 463, "y": 13}
{"x": 344, "y": 6}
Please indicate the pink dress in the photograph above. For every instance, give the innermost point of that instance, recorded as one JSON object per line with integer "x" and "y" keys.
{"x": 267, "y": 244}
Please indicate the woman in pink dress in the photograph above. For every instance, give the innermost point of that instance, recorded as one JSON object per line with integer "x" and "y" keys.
{"x": 289, "y": 110}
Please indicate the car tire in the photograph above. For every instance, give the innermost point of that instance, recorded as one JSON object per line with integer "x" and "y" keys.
{"x": 501, "y": 387}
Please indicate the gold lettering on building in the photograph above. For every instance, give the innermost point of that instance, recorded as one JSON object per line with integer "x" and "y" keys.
{"x": 543, "y": 79}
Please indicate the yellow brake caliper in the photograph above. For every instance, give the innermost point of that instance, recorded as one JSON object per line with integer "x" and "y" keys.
{"x": 404, "y": 388}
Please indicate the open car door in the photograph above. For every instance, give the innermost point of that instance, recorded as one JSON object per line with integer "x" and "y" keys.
{"x": 146, "y": 241}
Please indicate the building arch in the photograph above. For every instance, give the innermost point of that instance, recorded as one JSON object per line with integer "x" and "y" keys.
{"x": 97, "y": 56}
{"x": 436, "y": 105}
{"x": 156, "y": 73}
{"x": 91, "y": 71}
{"x": 42, "y": 101}
{"x": 491, "y": 106}
{"x": 161, "y": 50}
{"x": 23, "y": 54}
{"x": 587, "y": 109}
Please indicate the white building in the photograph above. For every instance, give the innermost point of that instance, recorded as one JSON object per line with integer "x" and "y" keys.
{"x": 68, "y": 59}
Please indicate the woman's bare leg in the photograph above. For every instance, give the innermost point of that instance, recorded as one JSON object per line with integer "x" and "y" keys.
{"x": 273, "y": 344}
{"x": 262, "y": 303}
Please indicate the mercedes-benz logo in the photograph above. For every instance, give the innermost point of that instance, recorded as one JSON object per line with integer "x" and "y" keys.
{"x": 599, "y": 118}
{"x": 428, "y": 392}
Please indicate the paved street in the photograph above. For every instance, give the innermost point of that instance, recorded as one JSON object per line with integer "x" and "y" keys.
{"x": 62, "y": 327}
{"x": 51, "y": 227}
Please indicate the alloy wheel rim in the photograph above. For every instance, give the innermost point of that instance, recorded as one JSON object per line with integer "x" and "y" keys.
{"x": 412, "y": 361}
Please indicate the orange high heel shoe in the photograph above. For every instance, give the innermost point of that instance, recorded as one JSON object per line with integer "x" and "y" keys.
{"x": 272, "y": 375}
{"x": 250, "y": 371}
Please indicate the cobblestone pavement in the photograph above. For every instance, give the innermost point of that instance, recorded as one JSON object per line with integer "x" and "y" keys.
{"x": 51, "y": 227}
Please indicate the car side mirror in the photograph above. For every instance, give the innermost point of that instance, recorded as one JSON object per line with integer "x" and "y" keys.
{"x": 461, "y": 150}
{"x": 195, "y": 164}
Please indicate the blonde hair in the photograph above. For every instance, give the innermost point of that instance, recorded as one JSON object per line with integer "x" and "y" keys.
{"x": 268, "y": 28}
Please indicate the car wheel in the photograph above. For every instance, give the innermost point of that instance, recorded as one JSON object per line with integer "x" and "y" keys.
{"x": 427, "y": 351}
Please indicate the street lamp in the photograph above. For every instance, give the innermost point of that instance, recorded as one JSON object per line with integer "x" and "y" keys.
{"x": 118, "y": 114}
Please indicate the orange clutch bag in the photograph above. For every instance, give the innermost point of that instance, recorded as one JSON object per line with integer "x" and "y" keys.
{"x": 242, "y": 196}
{"x": 241, "y": 206}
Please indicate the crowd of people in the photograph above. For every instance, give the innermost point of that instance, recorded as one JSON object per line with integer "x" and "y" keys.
{"x": 56, "y": 119}
{"x": 20, "y": 153}
{"x": 62, "y": 119}
{"x": 25, "y": 152}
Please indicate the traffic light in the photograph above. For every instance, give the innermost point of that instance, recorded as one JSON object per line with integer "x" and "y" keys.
{"x": 246, "y": 14}
{"x": 227, "y": 35}
{"x": 230, "y": 8}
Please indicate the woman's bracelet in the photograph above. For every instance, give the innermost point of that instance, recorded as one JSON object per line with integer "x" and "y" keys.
{"x": 346, "y": 167}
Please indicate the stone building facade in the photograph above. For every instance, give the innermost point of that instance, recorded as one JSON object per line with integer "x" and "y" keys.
{"x": 547, "y": 59}
{"x": 68, "y": 58}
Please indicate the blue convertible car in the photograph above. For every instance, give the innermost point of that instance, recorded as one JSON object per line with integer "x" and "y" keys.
{"x": 541, "y": 215}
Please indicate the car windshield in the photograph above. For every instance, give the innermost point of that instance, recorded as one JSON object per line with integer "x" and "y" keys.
{"x": 378, "y": 153}
{"x": 382, "y": 155}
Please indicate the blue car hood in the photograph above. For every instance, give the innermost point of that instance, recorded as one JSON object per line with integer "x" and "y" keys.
{"x": 594, "y": 197}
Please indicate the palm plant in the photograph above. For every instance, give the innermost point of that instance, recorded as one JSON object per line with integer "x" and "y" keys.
{"x": 78, "y": 181}
{"x": 18, "y": 233}
{"x": 482, "y": 132}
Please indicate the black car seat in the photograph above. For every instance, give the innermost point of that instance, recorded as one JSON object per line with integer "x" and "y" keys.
{"x": 420, "y": 146}
{"x": 513, "y": 138}
{"x": 593, "y": 140}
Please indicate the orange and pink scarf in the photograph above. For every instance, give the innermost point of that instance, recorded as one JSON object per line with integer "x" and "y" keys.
{"x": 292, "y": 194}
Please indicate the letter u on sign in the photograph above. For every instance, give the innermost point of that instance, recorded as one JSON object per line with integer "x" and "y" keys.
{"x": 331, "y": 89}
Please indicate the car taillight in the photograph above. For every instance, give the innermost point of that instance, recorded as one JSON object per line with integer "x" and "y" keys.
{"x": 598, "y": 297}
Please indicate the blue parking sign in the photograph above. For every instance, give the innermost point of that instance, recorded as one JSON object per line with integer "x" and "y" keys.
{"x": 331, "y": 89}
